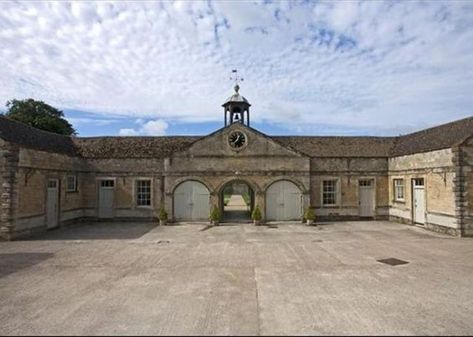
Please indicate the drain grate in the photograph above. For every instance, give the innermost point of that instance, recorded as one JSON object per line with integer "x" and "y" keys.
{"x": 272, "y": 226}
{"x": 160, "y": 242}
{"x": 393, "y": 261}
{"x": 317, "y": 241}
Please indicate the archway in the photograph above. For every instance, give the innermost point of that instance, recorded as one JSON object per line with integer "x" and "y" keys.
{"x": 237, "y": 200}
{"x": 191, "y": 201}
{"x": 283, "y": 201}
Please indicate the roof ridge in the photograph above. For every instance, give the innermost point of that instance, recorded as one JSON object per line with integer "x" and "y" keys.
{"x": 35, "y": 129}
{"x": 437, "y": 126}
{"x": 135, "y": 137}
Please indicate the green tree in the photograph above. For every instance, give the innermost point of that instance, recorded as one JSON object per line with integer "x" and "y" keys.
{"x": 39, "y": 115}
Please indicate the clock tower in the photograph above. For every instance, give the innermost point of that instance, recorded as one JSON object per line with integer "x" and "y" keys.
{"x": 237, "y": 108}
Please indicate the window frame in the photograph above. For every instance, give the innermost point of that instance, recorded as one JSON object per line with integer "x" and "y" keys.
{"x": 75, "y": 189}
{"x": 137, "y": 199}
{"x": 395, "y": 189}
{"x": 335, "y": 192}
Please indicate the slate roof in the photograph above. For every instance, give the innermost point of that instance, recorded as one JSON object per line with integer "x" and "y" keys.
{"x": 339, "y": 146}
{"x": 22, "y": 134}
{"x": 439, "y": 137}
{"x": 131, "y": 147}
{"x": 435, "y": 138}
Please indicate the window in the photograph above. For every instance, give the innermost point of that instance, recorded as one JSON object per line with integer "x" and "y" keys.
{"x": 398, "y": 189}
{"x": 419, "y": 182}
{"x": 71, "y": 183}
{"x": 52, "y": 183}
{"x": 329, "y": 192}
{"x": 143, "y": 192}
{"x": 365, "y": 182}
{"x": 107, "y": 183}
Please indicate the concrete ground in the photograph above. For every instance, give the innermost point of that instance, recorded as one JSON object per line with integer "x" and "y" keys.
{"x": 244, "y": 280}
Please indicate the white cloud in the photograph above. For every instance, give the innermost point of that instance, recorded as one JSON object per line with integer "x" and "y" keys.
{"x": 150, "y": 128}
{"x": 346, "y": 64}
{"x": 84, "y": 121}
{"x": 154, "y": 128}
{"x": 128, "y": 132}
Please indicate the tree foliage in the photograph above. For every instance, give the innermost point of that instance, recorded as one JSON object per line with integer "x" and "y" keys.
{"x": 39, "y": 115}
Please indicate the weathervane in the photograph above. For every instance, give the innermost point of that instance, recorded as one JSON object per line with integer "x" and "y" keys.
{"x": 236, "y": 78}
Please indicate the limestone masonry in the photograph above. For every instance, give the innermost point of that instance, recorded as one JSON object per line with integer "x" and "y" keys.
{"x": 423, "y": 178}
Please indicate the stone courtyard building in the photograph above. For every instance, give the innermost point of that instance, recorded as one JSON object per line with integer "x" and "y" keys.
{"x": 423, "y": 178}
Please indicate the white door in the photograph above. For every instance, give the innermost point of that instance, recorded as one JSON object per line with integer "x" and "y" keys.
{"x": 367, "y": 198}
{"x": 283, "y": 201}
{"x": 52, "y": 204}
{"x": 418, "y": 200}
{"x": 191, "y": 201}
{"x": 106, "y": 192}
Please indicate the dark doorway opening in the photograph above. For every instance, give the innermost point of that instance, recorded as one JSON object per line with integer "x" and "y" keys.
{"x": 237, "y": 201}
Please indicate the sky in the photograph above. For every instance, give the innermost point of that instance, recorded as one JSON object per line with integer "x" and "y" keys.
{"x": 309, "y": 67}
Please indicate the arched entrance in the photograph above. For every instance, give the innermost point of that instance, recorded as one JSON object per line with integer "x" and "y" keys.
{"x": 191, "y": 201}
{"x": 237, "y": 200}
{"x": 283, "y": 201}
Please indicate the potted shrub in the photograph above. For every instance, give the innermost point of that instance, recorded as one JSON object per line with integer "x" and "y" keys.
{"x": 215, "y": 216}
{"x": 309, "y": 216}
{"x": 163, "y": 216}
{"x": 256, "y": 216}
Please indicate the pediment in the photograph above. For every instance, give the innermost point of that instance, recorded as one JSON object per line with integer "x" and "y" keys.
{"x": 257, "y": 144}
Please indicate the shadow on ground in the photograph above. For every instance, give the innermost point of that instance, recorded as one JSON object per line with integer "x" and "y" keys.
{"x": 98, "y": 231}
{"x": 13, "y": 262}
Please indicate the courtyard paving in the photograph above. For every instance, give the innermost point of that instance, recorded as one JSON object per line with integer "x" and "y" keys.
{"x": 133, "y": 278}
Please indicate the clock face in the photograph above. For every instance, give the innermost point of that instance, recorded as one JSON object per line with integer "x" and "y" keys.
{"x": 237, "y": 139}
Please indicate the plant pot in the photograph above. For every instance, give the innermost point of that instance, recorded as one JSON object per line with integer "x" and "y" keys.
{"x": 257, "y": 222}
{"x": 214, "y": 222}
{"x": 310, "y": 222}
{"x": 162, "y": 222}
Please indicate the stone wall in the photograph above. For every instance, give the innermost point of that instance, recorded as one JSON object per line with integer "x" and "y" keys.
{"x": 34, "y": 170}
{"x": 9, "y": 193}
{"x": 438, "y": 171}
{"x": 348, "y": 172}
{"x": 464, "y": 188}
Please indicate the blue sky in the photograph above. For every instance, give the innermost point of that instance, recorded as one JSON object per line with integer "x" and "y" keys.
{"x": 310, "y": 67}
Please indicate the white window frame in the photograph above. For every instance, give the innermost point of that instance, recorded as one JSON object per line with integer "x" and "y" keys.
{"x": 336, "y": 192}
{"x": 135, "y": 192}
{"x": 397, "y": 188}
{"x": 75, "y": 183}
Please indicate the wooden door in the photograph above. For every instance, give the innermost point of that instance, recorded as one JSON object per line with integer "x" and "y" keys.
{"x": 366, "y": 198}
{"x": 283, "y": 201}
{"x": 52, "y": 213}
{"x": 106, "y": 195}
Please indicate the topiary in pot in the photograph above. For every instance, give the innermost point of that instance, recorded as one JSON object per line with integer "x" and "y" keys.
{"x": 309, "y": 216}
{"x": 163, "y": 216}
{"x": 215, "y": 216}
{"x": 256, "y": 216}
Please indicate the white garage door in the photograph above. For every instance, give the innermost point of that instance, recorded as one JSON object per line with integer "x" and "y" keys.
{"x": 191, "y": 201}
{"x": 283, "y": 201}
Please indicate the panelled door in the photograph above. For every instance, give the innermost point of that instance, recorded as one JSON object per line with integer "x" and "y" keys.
{"x": 52, "y": 213}
{"x": 191, "y": 201}
{"x": 418, "y": 200}
{"x": 366, "y": 197}
{"x": 283, "y": 201}
{"x": 106, "y": 192}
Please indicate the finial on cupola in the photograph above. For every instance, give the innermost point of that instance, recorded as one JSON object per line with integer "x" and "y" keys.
{"x": 237, "y": 106}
